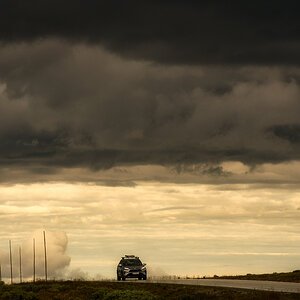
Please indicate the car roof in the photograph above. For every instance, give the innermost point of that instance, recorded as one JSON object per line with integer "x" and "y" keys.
{"x": 130, "y": 257}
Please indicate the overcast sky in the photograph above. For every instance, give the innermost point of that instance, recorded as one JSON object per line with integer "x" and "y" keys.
{"x": 165, "y": 129}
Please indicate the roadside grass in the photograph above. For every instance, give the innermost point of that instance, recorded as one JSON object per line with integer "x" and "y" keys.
{"x": 102, "y": 290}
{"x": 284, "y": 276}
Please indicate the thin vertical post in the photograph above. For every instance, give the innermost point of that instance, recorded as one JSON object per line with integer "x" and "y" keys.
{"x": 20, "y": 261}
{"x": 0, "y": 273}
{"x": 10, "y": 260}
{"x": 33, "y": 259}
{"x": 45, "y": 255}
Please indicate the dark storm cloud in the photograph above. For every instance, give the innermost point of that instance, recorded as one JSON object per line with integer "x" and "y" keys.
{"x": 68, "y": 105}
{"x": 289, "y": 132}
{"x": 210, "y": 32}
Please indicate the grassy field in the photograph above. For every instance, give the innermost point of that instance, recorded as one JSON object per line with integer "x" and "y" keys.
{"x": 287, "y": 277}
{"x": 77, "y": 290}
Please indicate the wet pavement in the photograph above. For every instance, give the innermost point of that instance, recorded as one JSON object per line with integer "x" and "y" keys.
{"x": 275, "y": 286}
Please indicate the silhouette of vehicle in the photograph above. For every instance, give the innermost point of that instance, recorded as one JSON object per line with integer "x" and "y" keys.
{"x": 130, "y": 266}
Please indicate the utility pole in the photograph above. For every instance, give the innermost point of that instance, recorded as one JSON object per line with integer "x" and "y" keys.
{"x": 20, "y": 261}
{"x": 0, "y": 273}
{"x": 45, "y": 255}
{"x": 33, "y": 248}
{"x": 10, "y": 260}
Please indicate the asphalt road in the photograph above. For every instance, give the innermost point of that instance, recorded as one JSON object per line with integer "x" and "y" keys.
{"x": 275, "y": 286}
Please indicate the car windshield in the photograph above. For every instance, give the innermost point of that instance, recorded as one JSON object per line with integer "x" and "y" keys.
{"x": 131, "y": 262}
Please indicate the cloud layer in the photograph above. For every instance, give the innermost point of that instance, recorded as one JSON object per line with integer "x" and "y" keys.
{"x": 190, "y": 32}
{"x": 184, "y": 84}
{"x": 68, "y": 105}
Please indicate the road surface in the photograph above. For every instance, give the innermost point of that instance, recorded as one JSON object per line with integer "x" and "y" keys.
{"x": 276, "y": 286}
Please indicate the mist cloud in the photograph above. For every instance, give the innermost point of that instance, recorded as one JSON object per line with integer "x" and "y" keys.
{"x": 57, "y": 258}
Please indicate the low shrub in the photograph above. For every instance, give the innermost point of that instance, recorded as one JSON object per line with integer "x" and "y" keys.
{"x": 129, "y": 295}
{"x": 18, "y": 295}
{"x": 100, "y": 293}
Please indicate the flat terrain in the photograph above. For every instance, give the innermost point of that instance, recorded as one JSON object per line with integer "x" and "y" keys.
{"x": 283, "y": 276}
{"x": 77, "y": 290}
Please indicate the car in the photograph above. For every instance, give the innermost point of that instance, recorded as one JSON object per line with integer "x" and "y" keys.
{"x": 130, "y": 266}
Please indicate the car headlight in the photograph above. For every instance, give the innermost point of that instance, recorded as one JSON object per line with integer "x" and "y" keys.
{"x": 143, "y": 268}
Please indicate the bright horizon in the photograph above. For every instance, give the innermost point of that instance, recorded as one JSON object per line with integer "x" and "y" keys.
{"x": 177, "y": 229}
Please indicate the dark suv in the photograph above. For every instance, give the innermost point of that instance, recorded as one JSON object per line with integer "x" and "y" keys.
{"x": 130, "y": 266}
